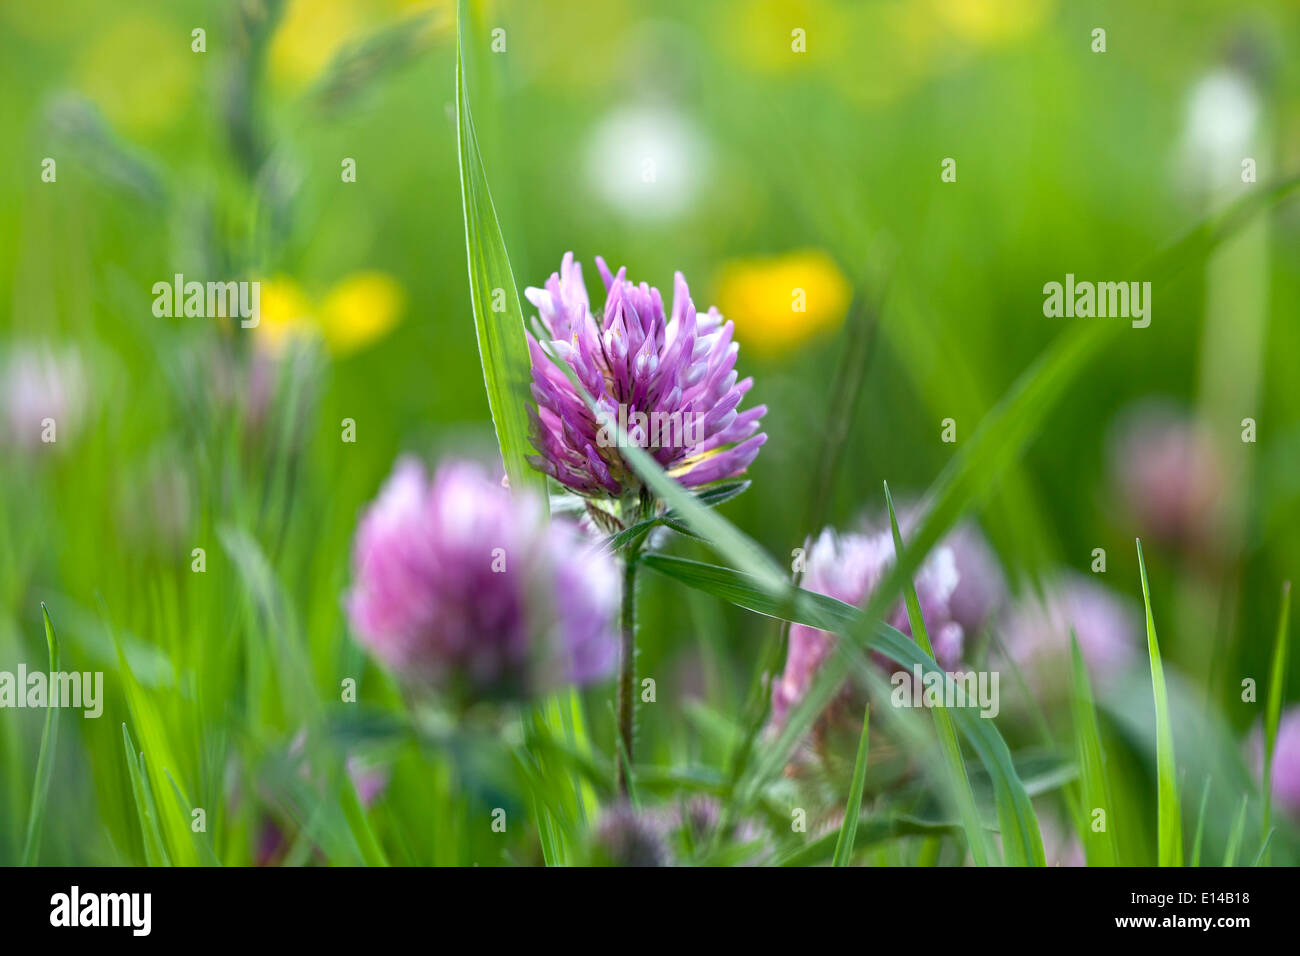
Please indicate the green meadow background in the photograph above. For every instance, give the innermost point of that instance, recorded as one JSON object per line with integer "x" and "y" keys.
{"x": 223, "y": 687}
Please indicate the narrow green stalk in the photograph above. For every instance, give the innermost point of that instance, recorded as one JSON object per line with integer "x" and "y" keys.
{"x": 627, "y": 668}
{"x": 45, "y": 761}
{"x": 847, "y": 842}
{"x": 1273, "y": 713}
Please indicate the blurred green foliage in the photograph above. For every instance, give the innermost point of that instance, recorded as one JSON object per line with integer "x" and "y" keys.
{"x": 226, "y": 164}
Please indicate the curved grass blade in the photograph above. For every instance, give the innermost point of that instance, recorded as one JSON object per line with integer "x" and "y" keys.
{"x": 1101, "y": 849}
{"x": 957, "y": 778}
{"x": 1234, "y": 838}
{"x": 1016, "y": 818}
{"x": 1170, "y": 828}
{"x": 868, "y": 832}
{"x": 155, "y": 738}
{"x": 45, "y": 760}
{"x": 1200, "y": 824}
{"x": 155, "y": 851}
{"x": 1277, "y": 684}
{"x": 354, "y": 813}
{"x": 498, "y": 317}
{"x": 846, "y": 843}
{"x": 1262, "y": 856}
{"x": 203, "y": 842}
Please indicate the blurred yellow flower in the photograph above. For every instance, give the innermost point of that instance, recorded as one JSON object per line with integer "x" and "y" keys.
{"x": 992, "y": 22}
{"x": 359, "y": 310}
{"x": 363, "y": 308}
{"x": 780, "y": 302}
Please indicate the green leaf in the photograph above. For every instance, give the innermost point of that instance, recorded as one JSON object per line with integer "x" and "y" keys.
{"x": 958, "y": 781}
{"x": 846, "y": 843}
{"x": 1170, "y": 829}
{"x": 1102, "y": 849}
{"x": 1276, "y": 686}
{"x": 45, "y": 760}
{"x": 1017, "y": 821}
{"x": 502, "y": 347}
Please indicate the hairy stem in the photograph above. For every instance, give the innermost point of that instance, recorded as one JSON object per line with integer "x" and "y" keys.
{"x": 627, "y": 669}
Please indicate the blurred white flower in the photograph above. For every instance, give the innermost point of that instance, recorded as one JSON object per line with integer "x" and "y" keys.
{"x": 1222, "y": 126}
{"x": 647, "y": 162}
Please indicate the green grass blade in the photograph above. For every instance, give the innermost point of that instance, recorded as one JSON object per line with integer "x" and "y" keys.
{"x": 203, "y": 841}
{"x": 153, "y": 729}
{"x": 45, "y": 760}
{"x": 155, "y": 852}
{"x": 1234, "y": 838}
{"x": 845, "y": 845}
{"x": 355, "y": 815}
{"x": 1276, "y": 686}
{"x": 958, "y": 779}
{"x": 1200, "y": 824}
{"x": 498, "y": 317}
{"x": 1170, "y": 828}
{"x": 868, "y": 832}
{"x": 1262, "y": 855}
{"x": 1101, "y": 849}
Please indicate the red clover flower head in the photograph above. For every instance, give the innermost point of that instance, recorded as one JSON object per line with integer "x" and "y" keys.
{"x": 668, "y": 379}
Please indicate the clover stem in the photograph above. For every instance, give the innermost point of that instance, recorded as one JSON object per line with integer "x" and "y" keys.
{"x": 627, "y": 669}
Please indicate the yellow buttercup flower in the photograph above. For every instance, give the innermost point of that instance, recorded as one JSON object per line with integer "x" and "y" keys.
{"x": 780, "y": 302}
{"x": 359, "y": 310}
